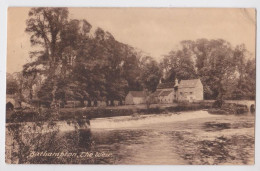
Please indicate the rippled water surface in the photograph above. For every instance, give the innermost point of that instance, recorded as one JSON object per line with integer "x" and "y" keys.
{"x": 182, "y": 138}
{"x": 195, "y": 137}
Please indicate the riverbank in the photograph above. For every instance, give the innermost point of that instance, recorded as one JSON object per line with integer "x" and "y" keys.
{"x": 65, "y": 114}
{"x": 77, "y": 114}
{"x": 190, "y": 137}
{"x": 232, "y": 108}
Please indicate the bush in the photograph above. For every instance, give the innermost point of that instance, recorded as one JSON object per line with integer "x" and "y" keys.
{"x": 241, "y": 109}
{"x": 100, "y": 112}
{"x": 95, "y": 113}
{"x": 186, "y": 107}
{"x": 230, "y": 108}
{"x": 218, "y": 103}
{"x": 21, "y": 116}
{"x": 33, "y": 115}
{"x": 155, "y": 110}
{"x": 252, "y": 108}
{"x": 218, "y": 111}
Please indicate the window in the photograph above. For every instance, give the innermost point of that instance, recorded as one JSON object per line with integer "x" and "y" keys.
{"x": 190, "y": 92}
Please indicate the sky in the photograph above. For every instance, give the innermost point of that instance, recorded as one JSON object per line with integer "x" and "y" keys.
{"x": 155, "y": 31}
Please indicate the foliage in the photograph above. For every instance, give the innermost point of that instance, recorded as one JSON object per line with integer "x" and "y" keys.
{"x": 26, "y": 144}
{"x": 11, "y": 85}
{"x": 223, "y": 69}
{"x": 74, "y": 62}
{"x": 78, "y": 65}
{"x": 150, "y": 74}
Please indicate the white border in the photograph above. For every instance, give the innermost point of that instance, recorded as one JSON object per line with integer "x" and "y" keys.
{"x": 4, "y": 4}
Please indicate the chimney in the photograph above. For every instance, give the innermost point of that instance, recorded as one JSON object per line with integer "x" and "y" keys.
{"x": 176, "y": 82}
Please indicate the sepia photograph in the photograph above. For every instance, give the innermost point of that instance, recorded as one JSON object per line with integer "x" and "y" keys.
{"x": 130, "y": 86}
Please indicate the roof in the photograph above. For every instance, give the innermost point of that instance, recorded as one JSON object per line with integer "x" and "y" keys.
{"x": 166, "y": 85}
{"x": 137, "y": 93}
{"x": 188, "y": 83}
{"x": 165, "y": 93}
{"x": 157, "y": 92}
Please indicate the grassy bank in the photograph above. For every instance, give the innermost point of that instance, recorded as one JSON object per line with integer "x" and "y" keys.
{"x": 44, "y": 114}
{"x": 100, "y": 112}
{"x": 229, "y": 108}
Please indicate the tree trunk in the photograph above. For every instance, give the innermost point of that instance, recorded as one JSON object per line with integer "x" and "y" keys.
{"x": 95, "y": 103}
{"x": 112, "y": 103}
{"x": 89, "y": 103}
{"x": 82, "y": 103}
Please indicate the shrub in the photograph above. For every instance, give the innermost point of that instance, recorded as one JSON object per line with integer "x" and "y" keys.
{"x": 218, "y": 103}
{"x": 155, "y": 110}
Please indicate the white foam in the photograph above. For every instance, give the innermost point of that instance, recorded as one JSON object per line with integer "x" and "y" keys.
{"x": 133, "y": 122}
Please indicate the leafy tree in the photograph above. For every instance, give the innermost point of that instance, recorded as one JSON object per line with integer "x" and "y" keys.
{"x": 179, "y": 64}
{"x": 45, "y": 26}
{"x": 11, "y": 84}
{"x": 150, "y": 74}
{"x": 217, "y": 63}
{"x": 222, "y": 68}
{"x": 45, "y": 94}
{"x": 245, "y": 71}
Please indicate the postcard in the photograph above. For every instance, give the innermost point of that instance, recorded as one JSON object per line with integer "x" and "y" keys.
{"x": 135, "y": 86}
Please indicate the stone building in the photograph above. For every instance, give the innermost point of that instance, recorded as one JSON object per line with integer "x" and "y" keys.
{"x": 135, "y": 97}
{"x": 186, "y": 90}
{"x": 190, "y": 90}
{"x": 165, "y": 93}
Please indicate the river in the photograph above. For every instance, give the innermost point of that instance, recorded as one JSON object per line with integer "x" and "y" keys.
{"x": 195, "y": 137}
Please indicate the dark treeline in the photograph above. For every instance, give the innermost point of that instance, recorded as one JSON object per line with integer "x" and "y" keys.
{"x": 226, "y": 72}
{"x": 75, "y": 62}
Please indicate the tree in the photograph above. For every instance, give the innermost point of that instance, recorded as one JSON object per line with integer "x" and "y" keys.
{"x": 132, "y": 67}
{"x": 45, "y": 94}
{"x": 45, "y": 26}
{"x": 221, "y": 67}
{"x": 216, "y": 66}
{"x": 61, "y": 42}
{"x": 245, "y": 70}
{"x": 150, "y": 74}
{"x": 179, "y": 64}
{"x": 115, "y": 83}
{"x": 11, "y": 84}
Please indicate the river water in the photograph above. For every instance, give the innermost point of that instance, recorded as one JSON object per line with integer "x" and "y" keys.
{"x": 195, "y": 137}
{"x": 181, "y": 138}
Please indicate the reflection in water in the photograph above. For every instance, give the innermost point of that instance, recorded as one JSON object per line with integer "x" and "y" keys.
{"x": 85, "y": 139}
{"x": 227, "y": 140}
{"x": 205, "y": 140}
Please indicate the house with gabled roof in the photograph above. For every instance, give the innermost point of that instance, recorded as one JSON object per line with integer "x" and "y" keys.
{"x": 135, "y": 97}
{"x": 190, "y": 90}
{"x": 164, "y": 93}
{"x": 186, "y": 90}
{"x": 166, "y": 96}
